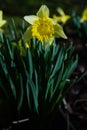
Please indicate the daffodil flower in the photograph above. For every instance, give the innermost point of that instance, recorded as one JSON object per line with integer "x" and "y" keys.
{"x": 22, "y": 50}
{"x": 63, "y": 18}
{"x": 43, "y": 27}
{"x": 84, "y": 15}
{"x": 2, "y": 22}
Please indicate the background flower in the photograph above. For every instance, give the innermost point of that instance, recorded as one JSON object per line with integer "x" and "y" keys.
{"x": 84, "y": 15}
{"x": 63, "y": 18}
{"x": 2, "y": 22}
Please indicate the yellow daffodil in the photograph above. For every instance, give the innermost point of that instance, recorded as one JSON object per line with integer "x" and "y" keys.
{"x": 63, "y": 18}
{"x": 2, "y": 22}
{"x": 22, "y": 50}
{"x": 21, "y": 47}
{"x": 84, "y": 15}
{"x": 43, "y": 27}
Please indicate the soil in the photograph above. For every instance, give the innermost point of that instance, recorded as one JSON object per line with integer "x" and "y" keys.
{"x": 77, "y": 97}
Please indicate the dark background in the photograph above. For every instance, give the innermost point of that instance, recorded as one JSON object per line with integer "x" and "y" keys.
{"x": 22, "y": 7}
{"x": 77, "y": 97}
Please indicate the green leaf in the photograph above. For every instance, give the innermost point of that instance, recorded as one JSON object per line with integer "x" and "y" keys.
{"x": 21, "y": 92}
{"x": 32, "y": 87}
{"x": 11, "y": 52}
{"x": 70, "y": 68}
{"x": 28, "y": 94}
{"x": 12, "y": 86}
{"x": 1, "y": 36}
{"x": 14, "y": 28}
{"x": 55, "y": 51}
{"x": 54, "y": 70}
{"x": 36, "y": 84}
{"x": 63, "y": 94}
{"x": 59, "y": 62}
{"x": 49, "y": 87}
{"x": 82, "y": 76}
{"x": 59, "y": 79}
{"x": 2, "y": 62}
{"x": 10, "y": 32}
{"x": 30, "y": 64}
{"x": 47, "y": 53}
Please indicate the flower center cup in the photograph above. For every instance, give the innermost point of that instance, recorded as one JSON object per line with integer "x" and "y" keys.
{"x": 43, "y": 29}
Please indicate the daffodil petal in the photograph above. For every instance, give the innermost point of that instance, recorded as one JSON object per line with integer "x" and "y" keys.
{"x": 84, "y": 15}
{"x": 27, "y": 35}
{"x": 57, "y": 18}
{"x": 43, "y": 11}
{"x": 60, "y": 11}
{"x": 54, "y": 21}
{"x": 1, "y": 13}
{"x": 58, "y": 31}
{"x": 31, "y": 18}
{"x": 62, "y": 19}
{"x": 2, "y": 22}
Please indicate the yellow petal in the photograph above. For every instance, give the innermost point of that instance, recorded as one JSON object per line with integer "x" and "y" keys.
{"x": 2, "y": 22}
{"x": 84, "y": 15}
{"x": 1, "y": 14}
{"x": 43, "y": 11}
{"x": 62, "y": 19}
{"x": 58, "y": 18}
{"x": 54, "y": 21}
{"x": 66, "y": 18}
{"x": 28, "y": 34}
{"x": 31, "y": 18}
{"x": 58, "y": 31}
{"x": 60, "y": 11}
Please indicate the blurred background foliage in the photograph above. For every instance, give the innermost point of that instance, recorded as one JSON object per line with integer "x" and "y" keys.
{"x": 23, "y": 7}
